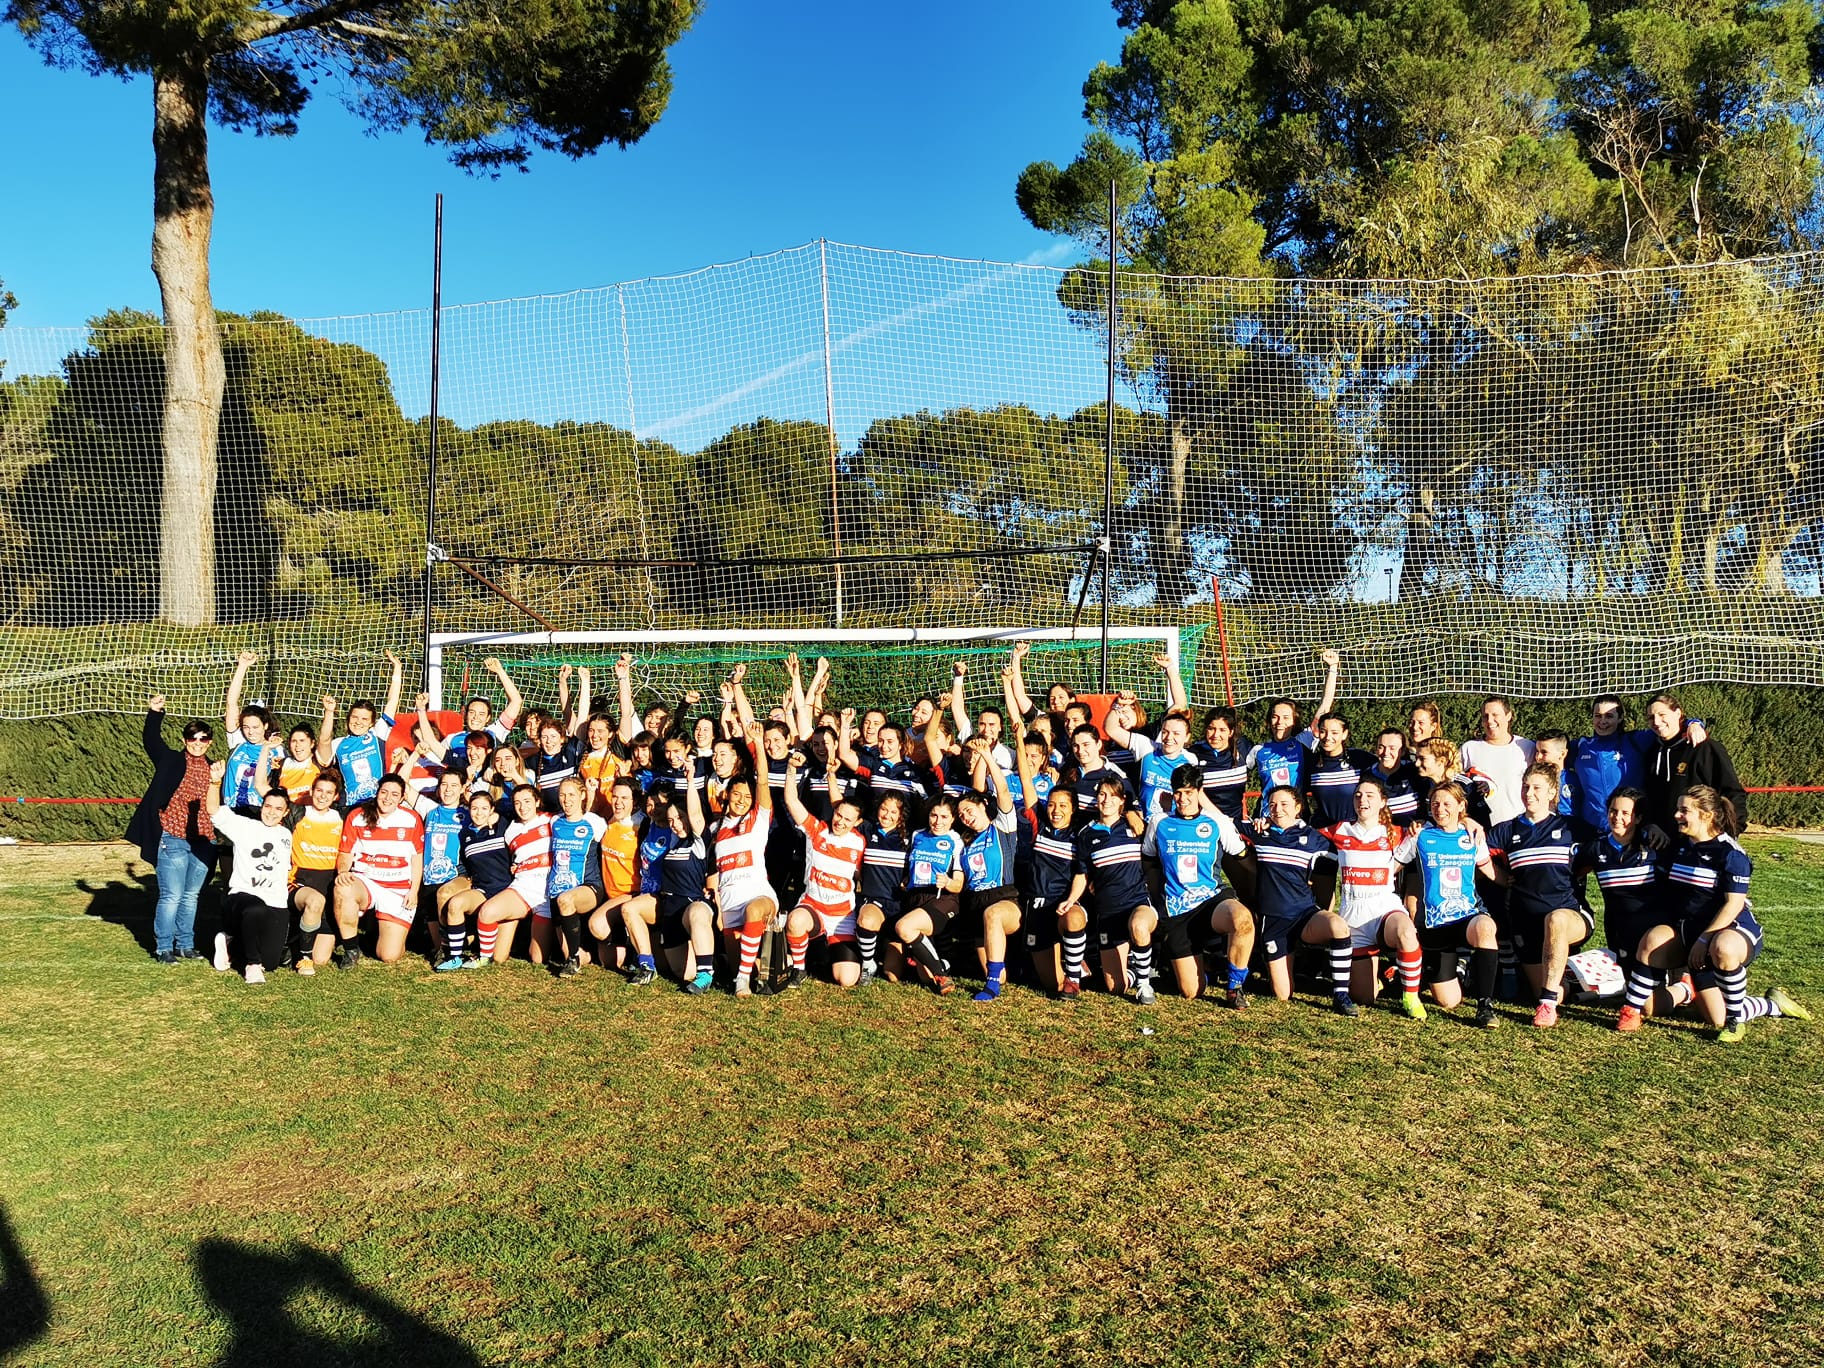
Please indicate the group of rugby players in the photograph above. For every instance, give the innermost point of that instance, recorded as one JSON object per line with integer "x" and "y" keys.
{"x": 899, "y": 849}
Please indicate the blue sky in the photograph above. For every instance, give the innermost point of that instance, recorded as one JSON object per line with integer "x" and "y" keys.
{"x": 889, "y": 126}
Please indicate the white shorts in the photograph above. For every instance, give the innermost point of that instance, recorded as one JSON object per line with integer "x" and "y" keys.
{"x": 834, "y": 922}
{"x": 531, "y": 889}
{"x": 734, "y": 899}
{"x": 1365, "y": 919}
{"x": 385, "y": 901}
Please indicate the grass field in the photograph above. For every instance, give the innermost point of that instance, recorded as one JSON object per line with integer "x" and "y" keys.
{"x": 391, "y": 1167}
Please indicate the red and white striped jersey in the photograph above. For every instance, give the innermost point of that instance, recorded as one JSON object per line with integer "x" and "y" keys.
{"x": 832, "y": 864}
{"x": 741, "y": 848}
{"x": 530, "y": 843}
{"x": 1364, "y": 856}
{"x": 384, "y": 849}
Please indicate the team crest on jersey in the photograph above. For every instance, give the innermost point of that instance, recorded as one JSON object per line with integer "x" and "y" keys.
{"x": 1204, "y": 829}
{"x": 1465, "y": 841}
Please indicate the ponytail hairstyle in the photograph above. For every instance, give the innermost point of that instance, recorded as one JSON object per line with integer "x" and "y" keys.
{"x": 1719, "y": 809}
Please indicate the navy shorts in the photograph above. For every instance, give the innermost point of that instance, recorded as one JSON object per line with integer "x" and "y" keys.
{"x": 1279, "y": 936}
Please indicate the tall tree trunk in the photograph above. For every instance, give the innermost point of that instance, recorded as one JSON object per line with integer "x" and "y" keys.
{"x": 1171, "y": 557}
{"x": 182, "y": 215}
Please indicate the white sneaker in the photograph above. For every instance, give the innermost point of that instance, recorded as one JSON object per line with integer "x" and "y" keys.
{"x": 255, "y": 974}
{"x": 222, "y": 964}
{"x": 1143, "y": 995}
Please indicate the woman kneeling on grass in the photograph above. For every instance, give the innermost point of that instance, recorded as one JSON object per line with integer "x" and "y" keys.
{"x": 255, "y": 914}
{"x": 381, "y": 863}
{"x": 1710, "y": 925}
{"x": 1450, "y": 917}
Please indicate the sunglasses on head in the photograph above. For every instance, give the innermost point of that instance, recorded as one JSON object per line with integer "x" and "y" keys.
{"x": 199, "y": 736}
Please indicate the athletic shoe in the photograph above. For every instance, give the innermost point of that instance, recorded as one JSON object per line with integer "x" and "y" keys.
{"x": 1143, "y": 994}
{"x": 307, "y": 967}
{"x": 991, "y": 991}
{"x": 1069, "y": 990}
{"x": 189, "y": 952}
{"x": 1344, "y": 1005}
{"x": 1788, "y": 1006}
{"x": 797, "y": 978}
{"x": 701, "y": 984}
{"x": 346, "y": 956}
{"x": 222, "y": 962}
{"x": 942, "y": 986}
{"x": 1629, "y": 1020}
{"x": 255, "y": 974}
{"x": 867, "y": 975}
{"x": 1411, "y": 1004}
{"x": 1731, "y": 1032}
{"x": 166, "y": 957}
{"x": 570, "y": 968}
{"x": 742, "y": 988}
{"x": 450, "y": 965}
{"x": 477, "y": 961}
{"x": 641, "y": 976}
{"x": 1545, "y": 1014}
{"x": 1486, "y": 1020}
{"x": 1236, "y": 999}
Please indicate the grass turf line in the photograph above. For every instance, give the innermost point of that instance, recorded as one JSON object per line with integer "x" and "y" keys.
{"x": 392, "y": 1166}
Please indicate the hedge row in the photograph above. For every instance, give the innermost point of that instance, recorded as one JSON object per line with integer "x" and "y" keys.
{"x": 1774, "y": 734}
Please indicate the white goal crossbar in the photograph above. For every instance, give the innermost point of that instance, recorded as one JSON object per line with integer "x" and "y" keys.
{"x": 439, "y": 642}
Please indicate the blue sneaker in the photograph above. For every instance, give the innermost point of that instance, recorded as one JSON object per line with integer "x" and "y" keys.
{"x": 453, "y": 963}
{"x": 701, "y": 984}
{"x": 991, "y": 991}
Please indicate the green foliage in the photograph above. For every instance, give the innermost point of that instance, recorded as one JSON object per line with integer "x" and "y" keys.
{"x": 1454, "y": 139}
{"x": 492, "y": 82}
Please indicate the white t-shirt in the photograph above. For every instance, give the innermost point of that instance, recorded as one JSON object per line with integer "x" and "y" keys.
{"x": 262, "y": 856}
{"x": 1499, "y": 768}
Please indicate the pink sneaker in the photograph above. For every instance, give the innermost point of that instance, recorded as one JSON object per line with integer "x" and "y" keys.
{"x": 1545, "y": 1014}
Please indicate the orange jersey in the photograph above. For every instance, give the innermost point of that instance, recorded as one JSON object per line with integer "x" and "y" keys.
{"x": 316, "y": 840}
{"x": 620, "y": 858}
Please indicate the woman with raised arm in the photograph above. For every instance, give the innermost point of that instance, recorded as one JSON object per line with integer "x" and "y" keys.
{"x": 249, "y": 732}
{"x": 683, "y": 923}
{"x": 748, "y": 901}
{"x": 361, "y": 753}
{"x": 834, "y": 852}
{"x": 1283, "y": 758}
{"x": 174, "y": 830}
{"x": 255, "y": 915}
{"x": 478, "y": 713}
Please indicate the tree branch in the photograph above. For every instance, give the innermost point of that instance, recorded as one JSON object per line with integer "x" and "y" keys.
{"x": 276, "y": 25}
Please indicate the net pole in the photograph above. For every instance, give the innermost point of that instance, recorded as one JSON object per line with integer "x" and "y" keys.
{"x": 1108, "y": 464}
{"x": 829, "y": 413}
{"x": 430, "y": 478}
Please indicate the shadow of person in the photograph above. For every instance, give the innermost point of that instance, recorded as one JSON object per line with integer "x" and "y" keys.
{"x": 255, "y": 1288}
{"x": 124, "y": 902}
{"x": 24, "y": 1311}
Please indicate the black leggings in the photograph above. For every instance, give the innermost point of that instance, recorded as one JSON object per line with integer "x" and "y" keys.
{"x": 260, "y": 929}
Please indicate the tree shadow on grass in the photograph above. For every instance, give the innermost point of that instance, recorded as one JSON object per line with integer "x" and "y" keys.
{"x": 24, "y": 1311}
{"x": 266, "y": 1293}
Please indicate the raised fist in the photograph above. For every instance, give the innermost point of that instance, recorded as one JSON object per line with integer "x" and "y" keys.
{"x": 246, "y": 658}
{"x": 156, "y": 703}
